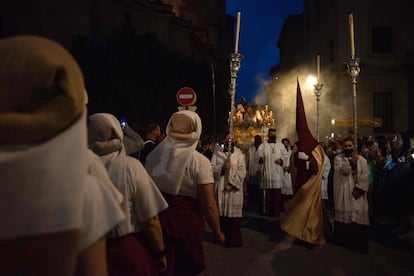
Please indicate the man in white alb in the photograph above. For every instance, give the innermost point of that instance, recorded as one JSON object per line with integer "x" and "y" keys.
{"x": 269, "y": 155}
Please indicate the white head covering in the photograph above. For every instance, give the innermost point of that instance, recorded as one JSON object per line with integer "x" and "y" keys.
{"x": 105, "y": 139}
{"x": 167, "y": 162}
{"x": 43, "y": 138}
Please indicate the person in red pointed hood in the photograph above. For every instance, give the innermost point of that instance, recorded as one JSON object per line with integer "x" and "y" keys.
{"x": 304, "y": 214}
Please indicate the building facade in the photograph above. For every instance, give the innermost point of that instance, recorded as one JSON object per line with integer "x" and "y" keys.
{"x": 197, "y": 31}
{"x": 383, "y": 42}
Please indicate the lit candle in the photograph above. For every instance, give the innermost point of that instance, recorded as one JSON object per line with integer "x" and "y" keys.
{"x": 318, "y": 67}
{"x": 351, "y": 34}
{"x": 236, "y": 46}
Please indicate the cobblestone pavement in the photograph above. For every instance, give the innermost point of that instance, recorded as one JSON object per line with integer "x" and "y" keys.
{"x": 259, "y": 254}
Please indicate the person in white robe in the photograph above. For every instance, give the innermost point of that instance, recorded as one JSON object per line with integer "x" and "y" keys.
{"x": 253, "y": 171}
{"x": 350, "y": 199}
{"x": 287, "y": 188}
{"x": 269, "y": 154}
{"x": 229, "y": 173}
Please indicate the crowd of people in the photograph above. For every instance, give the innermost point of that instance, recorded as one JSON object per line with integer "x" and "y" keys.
{"x": 118, "y": 204}
{"x": 346, "y": 186}
{"x": 84, "y": 201}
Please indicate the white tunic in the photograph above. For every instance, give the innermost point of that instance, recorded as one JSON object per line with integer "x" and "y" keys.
{"x": 230, "y": 203}
{"x": 347, "y": 208}
{"x": 287, "y": 188}
{"x": 271, "y": 172}
{"x": 326, "y": 170}
{"x": 252, "y": 163}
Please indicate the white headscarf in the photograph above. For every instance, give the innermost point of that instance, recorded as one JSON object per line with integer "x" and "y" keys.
{"x": 167, "y": 162}
{"x": 43, "y": 138}
{"x": 105, "y": 139}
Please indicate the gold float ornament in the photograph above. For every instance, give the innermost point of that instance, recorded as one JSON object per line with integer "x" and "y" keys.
{"x": 245, "y": 128}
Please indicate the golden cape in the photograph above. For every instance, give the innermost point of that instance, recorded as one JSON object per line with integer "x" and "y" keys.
{"x": 304, "y": 215}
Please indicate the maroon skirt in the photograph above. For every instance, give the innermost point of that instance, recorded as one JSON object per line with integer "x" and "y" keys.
{"x": 127, "y": 256}
{"x": 183, "y": 228}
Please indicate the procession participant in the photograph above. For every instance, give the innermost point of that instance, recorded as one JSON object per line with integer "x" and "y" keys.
{"x": 136, "y": 241}
{"x": 229, "y": 168}
{"x": 253, "y": 171}
{"x": 269, "y": 155}
{"x": 350, "y": 199}
{"x": 304, "y": 215}
{"x": 287, "y": 189}
{"x": 327, "y": 225}
{"x": 61, "y": 214}
{"x": 185, "y": 178}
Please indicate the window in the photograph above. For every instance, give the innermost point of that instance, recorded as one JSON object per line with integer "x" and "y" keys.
{"x": 382, "y": 40}
{"x": 383, "y": 110}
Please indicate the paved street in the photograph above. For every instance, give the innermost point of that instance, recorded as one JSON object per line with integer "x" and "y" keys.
{"x": 388, "y": 255}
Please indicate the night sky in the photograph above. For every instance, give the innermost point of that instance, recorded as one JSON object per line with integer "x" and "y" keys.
{"x": 260, "y": 24}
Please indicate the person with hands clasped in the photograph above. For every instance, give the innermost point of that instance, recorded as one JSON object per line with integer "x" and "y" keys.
{"x": 350, "y": 199}
{"x": 229, "y": 168}
{"x": 269, "y": 154}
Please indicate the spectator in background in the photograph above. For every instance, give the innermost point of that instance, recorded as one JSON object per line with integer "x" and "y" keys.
{"x": 152, "y": 138}
{"x": 207, "y": 146}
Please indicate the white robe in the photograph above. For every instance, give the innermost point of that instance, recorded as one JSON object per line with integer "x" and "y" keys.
{"x": 271, "y": 172}
{"x": 230, "y": 203}
{"x": 287, "y": 188}
{"x": 347, "y": 208}
{"x": 252, "y": 163}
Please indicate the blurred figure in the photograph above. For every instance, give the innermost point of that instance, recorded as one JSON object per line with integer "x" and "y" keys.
{"x": 253, "y": 171}
{"x": 152, "y": 138}
{"x": 133, "y": 244}
{"x": 327, "y": 224}
{"x": 350, "y": 199}
{"x": 207, "y": 146}
{"x": 61, "y": 214}
{"x": 133, "y": 142}
{"x": 287, "y": 189}
{"x": 239, "y": 117}
{"x": 185, "y": 178}
{"x": 229, "y": 168}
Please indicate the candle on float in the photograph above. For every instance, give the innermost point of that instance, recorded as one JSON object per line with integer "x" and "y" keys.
{"x": 318, "y": 67}
{"x": 351, "y": 34}
{"x": 236, "y": 46}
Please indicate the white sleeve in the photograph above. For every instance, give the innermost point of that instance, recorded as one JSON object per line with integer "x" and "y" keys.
{"x": 101, "y": 212}
{"x": 148, "y": 199}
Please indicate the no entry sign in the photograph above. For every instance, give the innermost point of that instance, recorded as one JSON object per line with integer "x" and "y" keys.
{"x": 186, "y": 96}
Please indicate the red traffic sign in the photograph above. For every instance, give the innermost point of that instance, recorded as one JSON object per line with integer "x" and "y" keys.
{"x": 186, "y": 96}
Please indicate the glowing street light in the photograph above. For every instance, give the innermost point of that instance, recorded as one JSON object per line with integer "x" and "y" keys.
{"x": 313, "y": 81}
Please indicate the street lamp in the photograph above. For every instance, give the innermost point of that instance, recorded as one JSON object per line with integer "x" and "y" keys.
{"x": 313, "y": 81}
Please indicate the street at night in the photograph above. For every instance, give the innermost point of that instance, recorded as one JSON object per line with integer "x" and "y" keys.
{"x": 388, "y": 255}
